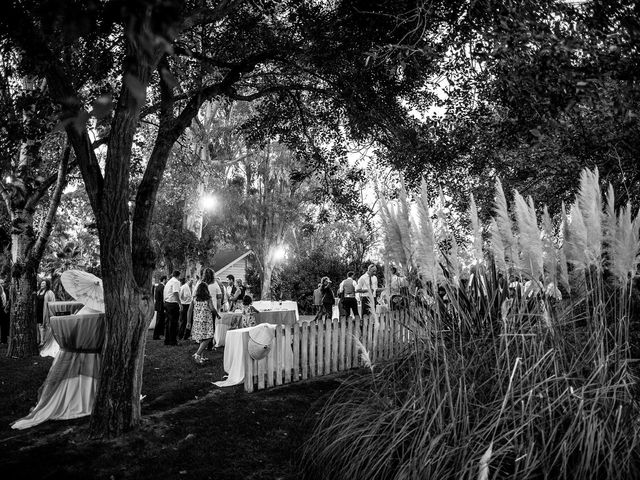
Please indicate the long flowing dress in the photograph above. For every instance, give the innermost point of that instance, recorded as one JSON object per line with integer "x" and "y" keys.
{"x": 202, "y": 328}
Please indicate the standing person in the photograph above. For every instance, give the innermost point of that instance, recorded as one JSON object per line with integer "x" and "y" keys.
{"x": 317, "y": 299}
{"x": 186, "y": 296}
{"x": 328, "y": 299}
{"x": 215, "y": 291}
{"x": 204, "y": 315}
{"x": 172, "y": 308}
{"x": 396, "y": 285}
{"x": 347, "y": 290}
{"x": 4, "y": 313}
{"x": 368, "y": 288}
{"x": 44, "y": 295}
{"x": 224, "y": 301}
{"x": 158, "y": 298}
{"x": 232, "y": 290}
{"x": 240, "y": 293}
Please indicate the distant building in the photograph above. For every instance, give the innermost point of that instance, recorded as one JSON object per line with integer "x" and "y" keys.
{"x": 231, "y": 262}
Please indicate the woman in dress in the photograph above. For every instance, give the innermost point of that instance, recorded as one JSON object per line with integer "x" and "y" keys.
{"x": 44, "y": 295}
{"x": 204, "y": 315}
{"x": 248, "y": 317}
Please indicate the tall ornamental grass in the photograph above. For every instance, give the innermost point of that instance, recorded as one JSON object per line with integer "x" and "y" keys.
{"x": 545, "y": 390}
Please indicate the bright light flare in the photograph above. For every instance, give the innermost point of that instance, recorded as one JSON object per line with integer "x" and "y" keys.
{"x": 209, "y": 202}
{"x": 279, "y": 253}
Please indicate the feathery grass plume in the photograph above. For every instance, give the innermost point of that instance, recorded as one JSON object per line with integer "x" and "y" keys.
{"x": 425, "y": 244}
{"x": 528, "y": 238}
{"x": 576, "y": 241}
{"x": 404, "y": 224}
{"x": 549, "y": 251}
{"x": 497, "y": 246}
{"x": 562, "y": 251}
{"x": 589, "y": 200}
{"x": 477, "y": 234}
{"x": 609, "y": 222}
{"x": 503, "y": 221}
{"x": 393, "y": 240}
{"x": 624, "y": 261}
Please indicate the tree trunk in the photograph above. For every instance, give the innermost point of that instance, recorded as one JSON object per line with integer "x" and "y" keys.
{"x": 267, "y": 273}
{"x": 23, "y": 339}
{"x": 129, "y": 310}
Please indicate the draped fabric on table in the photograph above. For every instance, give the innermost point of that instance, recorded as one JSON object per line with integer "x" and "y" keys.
{"x": 69, "y": 389}
{"x": 226, "y": 321}
{"x": 262, "y": 305}
{"x": 50, "y": 347}
{"x": 234, "y": 356}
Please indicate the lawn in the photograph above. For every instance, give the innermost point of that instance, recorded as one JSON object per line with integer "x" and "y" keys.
{"x": 190, "y": 429}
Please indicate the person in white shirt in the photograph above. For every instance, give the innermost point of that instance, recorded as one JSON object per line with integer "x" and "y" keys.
{"x": 172, "y": 308}
{"x": 214, "y": 288}
{"x": 186, "y": 296}
{"x": 367, "y": 288}
{"x": 347, "y": 291}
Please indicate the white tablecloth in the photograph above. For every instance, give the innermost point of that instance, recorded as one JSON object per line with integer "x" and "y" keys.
{"x": 223, "y": 323}
{"x": 234, "y": 352}
{"x": 261, "y": 305}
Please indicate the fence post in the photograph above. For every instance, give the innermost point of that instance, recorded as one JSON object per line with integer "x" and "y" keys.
{"x": 349, "y": 342}
{"x": 305, "y": 351}
{"x": 327, "y": 347}
{"x": 287, "y": 344}
{"x": 320, "y": 349}
{"x": 312, "y": 349}
{"x": 278, "y": 361}
{"x": 296, "y": 351}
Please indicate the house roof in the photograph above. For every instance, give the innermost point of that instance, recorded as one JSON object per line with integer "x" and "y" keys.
{"x": 224, "y": 258}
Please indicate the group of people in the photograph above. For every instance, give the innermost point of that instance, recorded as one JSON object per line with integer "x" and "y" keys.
{"x": 187, "y": 307}
{"x": 366, "y": 290}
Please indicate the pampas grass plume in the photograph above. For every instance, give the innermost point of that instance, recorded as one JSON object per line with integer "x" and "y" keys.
{"x": 483, "y": 467}
{"x": 475, "y": 227}
{"x": 528, "y": 237}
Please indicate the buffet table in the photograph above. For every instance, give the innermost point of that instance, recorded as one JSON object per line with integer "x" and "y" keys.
{"x": 234, "y": 355}
{"x": 262, "y": 305}
{"x": 69, "y": 389}
{"x": 226, "y": 321}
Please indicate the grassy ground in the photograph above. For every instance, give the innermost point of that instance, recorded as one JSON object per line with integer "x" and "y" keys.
{"x": 191, "y": 428}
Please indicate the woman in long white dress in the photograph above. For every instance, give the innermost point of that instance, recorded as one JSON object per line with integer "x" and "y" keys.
{"x": 204, "y": 314}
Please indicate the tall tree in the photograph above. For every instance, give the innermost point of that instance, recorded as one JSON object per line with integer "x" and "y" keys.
{"x": 241, "y": 50}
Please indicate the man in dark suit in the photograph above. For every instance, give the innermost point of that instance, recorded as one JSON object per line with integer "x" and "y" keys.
{"x": 4, "y": 313}
{"x": 158, "y": 298}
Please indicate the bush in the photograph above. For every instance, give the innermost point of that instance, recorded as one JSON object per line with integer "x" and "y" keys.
{"x": 543, "y": 391}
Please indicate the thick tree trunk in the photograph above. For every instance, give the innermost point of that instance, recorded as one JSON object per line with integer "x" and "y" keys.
{"x": 128, "y": 314}
{"x": 23, "y": 339}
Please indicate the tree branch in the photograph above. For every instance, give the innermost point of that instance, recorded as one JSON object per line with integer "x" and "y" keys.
{"x": 47, "y": 226}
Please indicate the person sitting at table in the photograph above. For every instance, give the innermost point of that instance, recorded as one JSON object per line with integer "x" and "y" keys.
{"x": 204, "y": 314}
{"x": 248, "y": 311}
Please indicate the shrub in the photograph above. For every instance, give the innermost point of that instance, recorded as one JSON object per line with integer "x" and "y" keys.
{"x": 544, "y": 391}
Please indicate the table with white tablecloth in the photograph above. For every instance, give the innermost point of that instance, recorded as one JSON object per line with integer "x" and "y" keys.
{"x": 276, "y": 317}
{"x": 234, "y": 355}
{"x": 262, "y": 305}
{"x": 50, "y": 347}
{"x": 69, "y": 389}
{"x": 226, "y": 321}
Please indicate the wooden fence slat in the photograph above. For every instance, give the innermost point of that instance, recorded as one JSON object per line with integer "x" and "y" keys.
{"x": 248, "y": 370}
{"x": 312, "y": 349}
{"x": 320, "y": 349}
{"x": 327, "y": 347}
{"x": 372, "y": 326}
{"x": 287, "y": 344}
{"x": 296, "y": 351}
{"x": 335, "y": 331}
{"x": 342, "y": 341}
{"x": 305, "y": 351}
{"x": 382, "y": 337}
{"x": 349, "y": 342}
{"x": 270, "y": 364}
{"x": 280, "y": 355}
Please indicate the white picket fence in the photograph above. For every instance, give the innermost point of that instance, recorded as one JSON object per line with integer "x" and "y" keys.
{"x": 327, "y": 346}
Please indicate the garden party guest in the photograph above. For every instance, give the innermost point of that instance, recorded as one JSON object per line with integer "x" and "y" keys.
{"x": 317, "y": 299}
{"x": 214, "y": 289}
{"x": 368, "y": 288}
{"x": 347, "y": 291}
{"x": 242, "y": 291}
{"x": 232, "y": 291}
{"x": 4, "y": 313}
{"x": 172, "y": 308}
{"x": 44, "y": 295}
{"x": 204, "y": 315}
{"x": 328, "y": 299}
{"x": 396, "y": 285}
{"x": 158, "y": 297}
{"x": 186, "y": 296}
{"x": 248, "y": 313}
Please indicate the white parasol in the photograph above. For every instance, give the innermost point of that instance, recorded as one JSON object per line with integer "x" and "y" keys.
{"x": 84, "y": 287}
